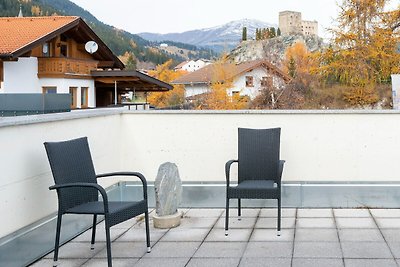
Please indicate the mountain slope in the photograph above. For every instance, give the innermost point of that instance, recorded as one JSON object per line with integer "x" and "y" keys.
{"x": 223, "y": 37}
{"x": 118, "y": 40}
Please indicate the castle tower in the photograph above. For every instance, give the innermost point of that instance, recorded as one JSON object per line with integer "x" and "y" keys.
{"x": 290, "y": 22}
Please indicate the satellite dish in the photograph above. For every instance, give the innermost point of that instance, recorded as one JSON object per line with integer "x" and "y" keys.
{"x": 91, "y": 47}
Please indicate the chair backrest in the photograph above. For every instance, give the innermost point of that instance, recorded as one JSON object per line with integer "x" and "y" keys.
{"x": 71, "y": 162}
{"x": 258, "y": 154}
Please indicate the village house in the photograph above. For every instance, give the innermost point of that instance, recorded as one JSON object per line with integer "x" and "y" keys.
{"x": 249, "y": 78}
{"x": 192, "y": 65}
{"x": 63, "y": 55}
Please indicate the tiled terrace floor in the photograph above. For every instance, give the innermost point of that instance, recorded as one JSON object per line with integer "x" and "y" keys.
{"x": 310, "y": 237}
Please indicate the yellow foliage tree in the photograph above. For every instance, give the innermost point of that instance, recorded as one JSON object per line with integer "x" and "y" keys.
{"x": 364, "y": 49}
{"x": 35, "y": 10}
{"x": 174, "y": 97}
{"x": 217, "y": 98}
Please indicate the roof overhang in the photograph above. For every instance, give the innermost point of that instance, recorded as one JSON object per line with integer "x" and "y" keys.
{"x": 130, "y": 80}
{"x": 80, "y": 31}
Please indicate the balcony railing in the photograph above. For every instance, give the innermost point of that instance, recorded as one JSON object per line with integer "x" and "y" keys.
{"x": 65, "y": 66}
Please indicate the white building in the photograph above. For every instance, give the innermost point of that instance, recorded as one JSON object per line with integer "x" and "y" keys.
{"x": 192, "y": 65}
{"x": 249, "y": 78}
{"x": 45, "y": 55}
{"x": 396, "y": 91}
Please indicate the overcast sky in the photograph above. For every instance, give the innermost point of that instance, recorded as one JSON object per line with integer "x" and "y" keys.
{"x": 166, "y": 16}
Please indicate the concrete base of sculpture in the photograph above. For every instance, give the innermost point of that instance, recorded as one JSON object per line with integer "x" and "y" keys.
{"x": 167, "y": 221}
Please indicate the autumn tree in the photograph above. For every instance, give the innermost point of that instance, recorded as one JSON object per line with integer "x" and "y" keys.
{"x": 174, "y": 97}
{"x": 363, "y": 52}
{"x": 300, "y": 64}
{"x": 223, "y": 79}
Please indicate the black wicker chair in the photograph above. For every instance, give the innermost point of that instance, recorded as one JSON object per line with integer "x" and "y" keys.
{"x": 78, "y": 191}
{"x": 259, "y": 169}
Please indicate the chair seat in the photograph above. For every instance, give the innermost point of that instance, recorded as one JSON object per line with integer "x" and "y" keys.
{"x": 257, "y": 189}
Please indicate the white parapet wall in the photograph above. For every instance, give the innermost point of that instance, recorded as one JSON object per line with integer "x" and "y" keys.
{"x": 321, "y": 146}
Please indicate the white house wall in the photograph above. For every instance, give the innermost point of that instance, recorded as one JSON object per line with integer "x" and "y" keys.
{"x": 195, "y": 89}
{"x": 21, "y": 76}
{"x": 63, "y": 86}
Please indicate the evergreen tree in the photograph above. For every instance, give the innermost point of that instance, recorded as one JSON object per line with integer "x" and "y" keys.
{"x": 130, "y": 63}
{"x": 292, "y": 67}
{"x": 272, "y": 32}
{"x": 244, "y": 34}
{"x": 278, "y": 32}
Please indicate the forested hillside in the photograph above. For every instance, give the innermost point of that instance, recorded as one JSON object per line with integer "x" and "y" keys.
{"x": 119, "y": 41}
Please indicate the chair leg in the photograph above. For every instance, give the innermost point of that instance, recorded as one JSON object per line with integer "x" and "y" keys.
{"x": 57, "y": 243}
{"x": 108, "y": 242}
{"x": 146, "y": 216}
{"x": 239, "y": 209}
{"x": 93, "y": 232}
{"x": 279, "y": 216}
{"x": 226, "y": 216}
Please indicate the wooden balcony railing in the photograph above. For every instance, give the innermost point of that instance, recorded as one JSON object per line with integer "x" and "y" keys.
{"x": 52, "y": 67}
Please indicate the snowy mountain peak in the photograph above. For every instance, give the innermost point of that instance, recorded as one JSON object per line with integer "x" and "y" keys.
{"x": 219, "y": 38}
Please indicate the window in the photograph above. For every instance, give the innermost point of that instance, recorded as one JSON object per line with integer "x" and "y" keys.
{"x": 64, "y": 50}
{"x": 84, "y": 97}
{"x": 49, "y": 90}
{"x": 266, "y": 81}
{"x": 73, "y": 92}
{"x": 46, "y": 50}
{"x": 249, "y": 81}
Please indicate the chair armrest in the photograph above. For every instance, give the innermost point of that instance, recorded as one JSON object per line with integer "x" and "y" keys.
{"x": 280, "y": 171}
{"x": 227, "y": 169}
{"x": 98, "y": 187}
{"x": 136, "y": 174}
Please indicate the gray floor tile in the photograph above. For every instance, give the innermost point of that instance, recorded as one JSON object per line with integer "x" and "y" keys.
{"x": 208, "y": 262}
{"x": 352, "y": 213}
{"x": 61, "y": 263}
{"x": 263, "y": 262}
{"x": 245, "y": 222}
{"x": 173, "y": 250}
{"x": 220, "y": 250}
{"x": 314, "y": 262}
{"x": 100, "y": 234}
{"x": 203, "y": 213}
{"x": 315, "y": 223}
{"x": 181, "y": 234}
{"x": 269, "y": 250}
{"x": 388, "y": 222}
{"x": 366, "y": 250}
{"x": 162, "y": 262}
{"x": 272, "y": 223}
{"x": 198, "y": 222}
{"x": 245, "y": 213}
{"x": 385, "y": 213}
{"x": 124, "y": 250}
{"x": 116, "y": 262}
{"x": 317, "y": 250}
{"x": 314, "y": 213}
{"x": 370, "y": 263}
{"x": 317, "y": 234}
{"x": 139, "y": 235}
{"x": 360, "y": 235}
{"x": 78, "y": 250}
{"x": 391, "y": 235}
{"x": 218, "y": 234}
{"x": 395, "y": 248}
{"x": 271, "y": 235}
{"x": 355, "y": 223}
{"x": 286, "y": 212}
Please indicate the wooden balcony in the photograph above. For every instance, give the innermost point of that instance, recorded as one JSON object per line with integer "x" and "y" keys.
{"x": 65, "y": 67}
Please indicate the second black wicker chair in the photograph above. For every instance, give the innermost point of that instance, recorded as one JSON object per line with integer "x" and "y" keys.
{"x": 259, "y": 169}
{"x": 78, "y": 191}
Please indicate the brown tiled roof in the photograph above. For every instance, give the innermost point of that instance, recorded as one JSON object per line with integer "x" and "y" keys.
{"x": 207, "y": 74}
{"x": 19, "y": 32}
